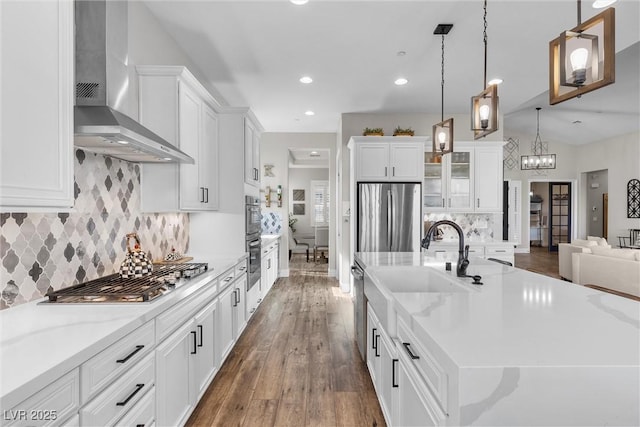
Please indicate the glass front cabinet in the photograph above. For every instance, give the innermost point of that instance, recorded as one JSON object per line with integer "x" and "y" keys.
{"x": 448, "y": 181}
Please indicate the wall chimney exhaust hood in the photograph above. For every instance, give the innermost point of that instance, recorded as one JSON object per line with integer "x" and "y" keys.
{"x": 102, "y": 82}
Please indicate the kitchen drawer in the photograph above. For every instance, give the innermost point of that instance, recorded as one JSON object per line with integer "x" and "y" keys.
{"x": 433, "y": 374}
{"x": 50, "y": 406}
{"x": 241, "y": 268}
{"x": 227, "y": 277}
{"x": 117, "y": 399}
{"x": 500, "y": 251}
{"x": 103, "y": 368}
{"x": 173, "y": 318}
{"x": 142, "y": 413}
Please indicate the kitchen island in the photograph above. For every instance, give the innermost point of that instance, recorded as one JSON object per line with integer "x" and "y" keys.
{"x": 521, "y": 349}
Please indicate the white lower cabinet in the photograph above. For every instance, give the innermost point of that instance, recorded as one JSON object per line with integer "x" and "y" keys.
{"x": 226, "y": 313}
{"x": 173, "y": 376}
{"x": 205, "y": 361}
{"x": 413, "y": 404}
{"x": 117, "y": 399}
{"x": 410, "y": 386}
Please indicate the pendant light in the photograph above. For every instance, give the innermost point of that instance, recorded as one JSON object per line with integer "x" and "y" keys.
{"x": 540, "y": 158}
{"x": 484, "y": 106}
{"x": 442, "y": 132}
{"x": 582, "y": 59}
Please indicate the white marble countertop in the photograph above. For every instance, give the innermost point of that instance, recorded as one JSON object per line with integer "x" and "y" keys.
{"x": 267, "y": 239}
{"x": 41, "y": 342}
{"x": 521, "y": 349}
{"x": 517, "y": 318}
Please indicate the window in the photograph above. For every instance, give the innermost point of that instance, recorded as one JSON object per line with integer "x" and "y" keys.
{"x": 320, "y": 200}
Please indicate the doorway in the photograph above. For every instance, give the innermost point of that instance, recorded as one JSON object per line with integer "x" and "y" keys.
{"x": 559, "y": 214}
{"x": 309, "y": 208}
{"x": 552, "y": 218}
{"x": 597, "y": 202}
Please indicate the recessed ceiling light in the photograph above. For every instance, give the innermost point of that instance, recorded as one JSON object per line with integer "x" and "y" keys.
{"x": 306, "y": 80}
{"x": 309, "y": 113}
{"x": 495, "y": 81}
{"x": 401, "y": 53}
{"x": 599, "y": 4}
{"x": 314, "y": 154}
{"x": 122, "y": 141}
{"x": 577, "y": 122}
{"x": 401, "y": 81}
{"x": 166, "y": 158}
{"x": 299, "y": 2}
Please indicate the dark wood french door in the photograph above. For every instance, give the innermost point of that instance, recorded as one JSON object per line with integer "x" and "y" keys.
{"x": 559, "y": 214}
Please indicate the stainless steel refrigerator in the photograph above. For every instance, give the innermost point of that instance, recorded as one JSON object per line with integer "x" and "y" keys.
{"x": 389, "y": 217}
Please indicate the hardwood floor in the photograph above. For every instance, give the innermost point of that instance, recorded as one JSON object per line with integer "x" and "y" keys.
{"x": 539, "y": 260}
{"x": 296, "y": 364}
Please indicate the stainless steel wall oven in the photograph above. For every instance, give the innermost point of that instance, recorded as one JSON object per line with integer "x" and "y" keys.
{"x": 252, "y": 237}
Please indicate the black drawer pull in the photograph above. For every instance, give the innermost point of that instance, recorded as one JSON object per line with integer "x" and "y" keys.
{"x": 393, "y": 373}
{"x": 200, "y": 328}
{"x": 377, "y": 347}
{"x": 139, "y": 425}
{"x": 195, "y": 343}
{"x": 138, "y": 348}
{"x": 406, "y": 347}
{"x": 124, "y": 402}
{"x": 373, "y": 338}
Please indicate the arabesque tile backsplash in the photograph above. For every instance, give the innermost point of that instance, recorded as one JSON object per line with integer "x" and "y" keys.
{"x": 39, "y": 250}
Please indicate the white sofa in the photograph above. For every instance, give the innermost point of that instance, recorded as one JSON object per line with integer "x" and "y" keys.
{"x": 566, "y": 250}
{"x": 614, "y": 269}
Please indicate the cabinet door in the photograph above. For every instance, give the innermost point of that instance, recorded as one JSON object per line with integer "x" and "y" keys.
{"x": 240, "y": 320}
{"x": 460, "y": 174}
{"x": 36, "y": 82}
{"x": 412, "y": 407}
{"x": 488, "y": 179}
{"x": 174, "y": 374}
{"x": 372, "y": 162}
{"x": 434, "y": 184}
{"x": 209, "y": 158}
{"x": 405, "y": 161}
{"x": 205, "y": 364}
{"x": 386, "y": 376}
{"x": 251, "y": 154}
{"x": 224, "y": 330}
{"x": 191, "y": 193}
{"x": 373, "y": 352}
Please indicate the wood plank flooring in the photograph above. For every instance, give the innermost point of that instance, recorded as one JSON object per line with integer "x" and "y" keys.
{"x": 539, "y": 260}
{"x": 296, "y": 364}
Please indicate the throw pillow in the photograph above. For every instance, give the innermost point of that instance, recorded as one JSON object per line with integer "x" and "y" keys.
{"x": 584, "y": 243}
{"x": 601, "y": 241}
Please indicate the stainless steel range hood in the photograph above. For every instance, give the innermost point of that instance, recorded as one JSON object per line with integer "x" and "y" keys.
{"x": 102, "y": 83}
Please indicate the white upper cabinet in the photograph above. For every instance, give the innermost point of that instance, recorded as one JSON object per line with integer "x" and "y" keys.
{"x": 467, "y": 180}
{"x": 251, "y": 154}
{"x": 173, "y": 104}
{"x": 388, "y": 158}
{"x": 36, "y": 123}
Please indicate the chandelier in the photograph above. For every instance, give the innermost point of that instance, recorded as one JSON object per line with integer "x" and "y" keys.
{"x": 540, "y": 159}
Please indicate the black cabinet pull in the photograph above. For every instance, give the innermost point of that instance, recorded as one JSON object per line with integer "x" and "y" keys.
{"x": 406, "y": 347}
{"x": 206, "y": 189}
{"x": 200, "y": 329}
{"x": 195, "y": 342}
{"x": 235, "y": 297}
{"x": 139, "y": 425}
{"x": 373, "y": 338}
{"x": 124, "y": 402}
{"x": 138, "y": 348}
{"x": 201, "y": 194}
{"x": 393, "y": 373}
{"x": 238, "y": 294}
{"x": 377, "y": 347}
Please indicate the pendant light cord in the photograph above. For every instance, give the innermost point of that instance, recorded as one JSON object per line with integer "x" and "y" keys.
{"x": 485, "y": 43}
{"x": 442, "y": 84}
{"x": 579, "y": 13}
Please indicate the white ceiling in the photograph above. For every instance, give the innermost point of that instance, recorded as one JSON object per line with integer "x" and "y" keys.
{"x": 254, "y": 52}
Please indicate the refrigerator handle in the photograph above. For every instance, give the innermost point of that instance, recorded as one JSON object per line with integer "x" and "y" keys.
{"x": 389, "y": 217}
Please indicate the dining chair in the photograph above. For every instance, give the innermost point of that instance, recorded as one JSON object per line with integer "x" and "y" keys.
{"x": 294, "y": 244}
{"x": 321, "y": 241}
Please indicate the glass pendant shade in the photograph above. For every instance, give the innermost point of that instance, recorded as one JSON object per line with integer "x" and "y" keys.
{"x": 582, "y": 59}
{"x": 484, "y": 112}
{"x": 443, "y": 137}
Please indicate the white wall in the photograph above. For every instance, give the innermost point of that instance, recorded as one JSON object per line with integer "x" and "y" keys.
{"x": 274, "y": 150}
{"x": 621, "y": 157}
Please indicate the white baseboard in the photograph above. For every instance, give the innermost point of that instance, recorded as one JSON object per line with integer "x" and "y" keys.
{"x": 284, "y": 272}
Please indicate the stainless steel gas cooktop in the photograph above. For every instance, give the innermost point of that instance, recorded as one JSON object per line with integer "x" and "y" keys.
{"x": 113, "y": 289}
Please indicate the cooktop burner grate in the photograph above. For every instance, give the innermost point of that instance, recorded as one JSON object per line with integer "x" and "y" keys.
{"x": 114, "y": 289}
